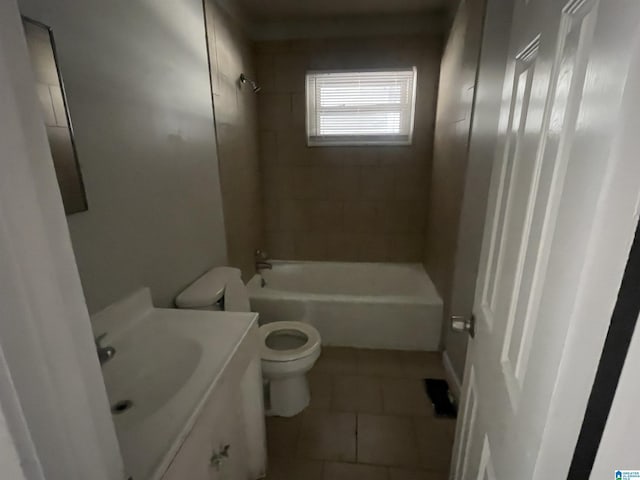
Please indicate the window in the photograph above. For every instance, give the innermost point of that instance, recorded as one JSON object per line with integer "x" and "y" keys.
{"x": 361, "y": 108}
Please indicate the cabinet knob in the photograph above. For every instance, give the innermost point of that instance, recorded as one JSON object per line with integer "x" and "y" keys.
{"x": 219, "y": 455}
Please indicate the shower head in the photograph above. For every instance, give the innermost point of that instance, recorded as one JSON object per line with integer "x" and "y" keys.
{"x": 254, "y": 86}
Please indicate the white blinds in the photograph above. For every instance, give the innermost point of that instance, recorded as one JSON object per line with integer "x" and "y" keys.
{"x": 360, "y": 108}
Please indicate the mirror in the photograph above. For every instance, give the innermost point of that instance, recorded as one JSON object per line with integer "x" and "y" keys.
{"x": 56, "y": 115}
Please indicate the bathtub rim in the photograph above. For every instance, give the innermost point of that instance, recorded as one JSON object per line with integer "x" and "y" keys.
{"x": 255, "y": 289}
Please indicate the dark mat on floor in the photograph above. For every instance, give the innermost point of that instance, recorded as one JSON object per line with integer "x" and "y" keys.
{"x": 438, "y": 392}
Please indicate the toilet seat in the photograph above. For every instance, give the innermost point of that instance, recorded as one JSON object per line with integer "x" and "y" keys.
{"x": 308, "y": 348}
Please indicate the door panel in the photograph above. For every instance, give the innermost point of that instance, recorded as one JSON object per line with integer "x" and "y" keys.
{"x": 501, "y": 214}
{"x": 542, "y": 213}
{"x": 468, "y": 426}
{"x": 549, "y": 176}
{"x": 486, "y": 470}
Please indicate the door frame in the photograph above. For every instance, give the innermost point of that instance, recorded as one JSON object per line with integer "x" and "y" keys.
{"x": 615, "y": 354}
{"x": 481, "y": 147}
{"x": 613, "y": 232}
{"x": 51, "y": 389}
{"x": 609, "y": 429}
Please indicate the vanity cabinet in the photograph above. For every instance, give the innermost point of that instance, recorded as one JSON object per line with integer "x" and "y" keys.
{"x": 227, "y": 440}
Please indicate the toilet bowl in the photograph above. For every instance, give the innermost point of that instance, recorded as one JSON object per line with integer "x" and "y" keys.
{"x": 288, "y": 349}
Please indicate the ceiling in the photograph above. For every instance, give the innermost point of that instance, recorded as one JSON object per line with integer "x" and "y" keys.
{"x": 279, "y": 9}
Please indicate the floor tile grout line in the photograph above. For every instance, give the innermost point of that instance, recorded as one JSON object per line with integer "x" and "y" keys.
{"x": 323, "y": 461}
{"x": 356, "y": 434}
{"x": 298, "y": 436}
{"x": 332, "y": 389}
{"x": 416, "y": 441}
{"x": 381, "y": 375}
{"x": 412, "y": 415}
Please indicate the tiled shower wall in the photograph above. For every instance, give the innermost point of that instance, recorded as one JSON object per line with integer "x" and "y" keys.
{"x": 343, "y": 203}
{"x": 235, "y": 109}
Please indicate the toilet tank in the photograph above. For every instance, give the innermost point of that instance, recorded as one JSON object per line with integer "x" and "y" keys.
{"x": 221, "y": 288}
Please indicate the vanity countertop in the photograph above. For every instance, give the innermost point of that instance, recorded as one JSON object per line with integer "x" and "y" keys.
{"x": 167, "y": 363}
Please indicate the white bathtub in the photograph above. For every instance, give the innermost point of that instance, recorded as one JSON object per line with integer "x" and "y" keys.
{"x": 367, "y": 305}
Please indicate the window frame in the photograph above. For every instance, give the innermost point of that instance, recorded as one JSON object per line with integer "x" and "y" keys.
{"x": 360, "y": 140}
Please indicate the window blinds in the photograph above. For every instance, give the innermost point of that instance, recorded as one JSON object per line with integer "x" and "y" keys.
{"x": 360, "y": 108}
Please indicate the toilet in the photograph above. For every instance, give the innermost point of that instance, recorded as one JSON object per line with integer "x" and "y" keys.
{"x": 288, "y": 349}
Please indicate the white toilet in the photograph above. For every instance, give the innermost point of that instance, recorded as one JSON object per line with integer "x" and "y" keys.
{"x": 288, "y": 349}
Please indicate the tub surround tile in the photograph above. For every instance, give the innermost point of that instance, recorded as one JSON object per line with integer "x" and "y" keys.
{"x": 294, "y": 216}
{"x": 343, "y": 182}
{"x": 311, "y": 247}
{"x": 361, "y": 217}
{"x": 277, "y": 182}
{"x": 298, "y": 107}
{"x": 309, "y": 183}
{"x": 405, "y": 247}
{"x": 409, "y": 182}
{"x": 280, "y": 111}
{"x": 236, "y": 120}
{"x": 398, "y": 217}
{"x": 343, "y": 246}
{"x": 280, "y": 245}
{"x": 375, "y": 249}
{"x": 377, "y": 184}
{"x": 292, "y": 147}
{"x": 267, "y": 144}
{"x": 328, "y": 436}
{"x": 273, "y": 214}
{"x": 326, "y": 216}
{"x": 352, "y": 175}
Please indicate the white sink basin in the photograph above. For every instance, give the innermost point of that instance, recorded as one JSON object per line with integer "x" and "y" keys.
{"x": 163, "y": 365}
{"x": 167, "y": 361}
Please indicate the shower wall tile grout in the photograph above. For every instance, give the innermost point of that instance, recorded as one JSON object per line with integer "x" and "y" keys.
{"x": 236, "y": 121}
{"x": 342, "y": 203}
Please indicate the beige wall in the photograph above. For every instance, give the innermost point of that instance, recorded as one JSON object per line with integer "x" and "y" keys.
{"x": 482, "y": 146}
{"x": 137, "y": 83}
{"x": 343, "y": 203}
{"x": 459, "y": 186}
{"x": 453, "y": 123}
{"x": 237, "y": 136}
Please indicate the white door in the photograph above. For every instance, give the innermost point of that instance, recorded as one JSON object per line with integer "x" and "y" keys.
{"x": 561, "y": 214}
{"x": 51, "y": 391}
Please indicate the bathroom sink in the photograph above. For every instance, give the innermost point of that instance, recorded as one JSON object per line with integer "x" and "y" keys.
{"x": 166, "y": 363}
{"x": 163, "y": 365}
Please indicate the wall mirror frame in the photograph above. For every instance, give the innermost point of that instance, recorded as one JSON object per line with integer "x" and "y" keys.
{"x": 54, "y": 105}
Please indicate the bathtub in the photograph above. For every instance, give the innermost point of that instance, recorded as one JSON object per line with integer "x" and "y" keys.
{"x": 366, "y": 305}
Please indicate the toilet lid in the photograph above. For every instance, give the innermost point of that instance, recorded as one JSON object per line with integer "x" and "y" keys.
{"x": 287, "y": 341}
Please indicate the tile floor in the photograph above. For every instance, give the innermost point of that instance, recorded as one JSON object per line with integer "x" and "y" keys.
{"x": 369, "y": 419}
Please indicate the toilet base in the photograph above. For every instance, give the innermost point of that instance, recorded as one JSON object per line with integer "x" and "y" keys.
{"x": 288, "y": 396}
